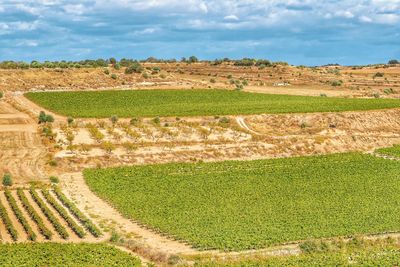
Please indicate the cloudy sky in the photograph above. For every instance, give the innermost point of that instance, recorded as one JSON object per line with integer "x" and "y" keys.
{"x": 308, "y": 32}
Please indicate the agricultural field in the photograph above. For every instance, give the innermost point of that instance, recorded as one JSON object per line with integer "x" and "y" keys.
{"x": 239, "y": 205}
{"x": 390, "y": 151}
{"x": 43, "y": 215}
{"x": 53, "y": 254}
{"x": 151, "y": 103}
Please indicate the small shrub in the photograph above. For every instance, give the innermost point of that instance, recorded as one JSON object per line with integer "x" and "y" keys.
{"x": 323, "y": 95}
{"x": 336, "y": 83}
{"x": 1, "y": 95}
{"x": 376, "y": 95}
{"x": 44, "y": 118}
{"x": 114, "y": 119}
{"x": 108, "y": 147}
{"x": 70, "y": 120}
{"x": 52, "y": 163}
{"x": 379, "y": 74}
{"x": 114, "y": 76}
{"x": 388, "y": 91}
{"x": 145, "y": 75}
{"x": 115, "y": 237}
{"x": 212, "y": 81}
{"x": 135, "y": 121}
{"x": 107, "y": 71}
{"x": 224, "y": 120}
{"x": 134, "y": 68}
{"x": 7, "y": 180}
{"x": 54, "y": 179}
{"x": 156, "y": 120}
{"x": 163, "y": 76}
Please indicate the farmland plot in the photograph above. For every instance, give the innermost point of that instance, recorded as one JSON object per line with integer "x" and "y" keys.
{"x": 237, "y": 205}
{"x": 39, "y": 215}
{"x": 149, "y": 103}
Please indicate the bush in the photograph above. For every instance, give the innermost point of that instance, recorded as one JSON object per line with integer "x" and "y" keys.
{"x": 156, "y": 120}
{"x": 134, "y": 68}
{"x": 114, "y": 76}
{"x": 336, "y": 83}
{"x": 114, "y": 119}
{"x": 135, "y": 121}
{"x": 44, "y": 118}
{"x": 193, "y": 59}
{"x": 224, "y": 120}
{"x": 212, "y": 81}
{"x": 54, "y": 179}
{"x": 7, "y": 180}
{"x": 70, "y": 120}
{"x": 379, "y": 74}
{"x": 393, "y": 62}
{"x": 1, "y": 95}
{"x": 106, "y": 71}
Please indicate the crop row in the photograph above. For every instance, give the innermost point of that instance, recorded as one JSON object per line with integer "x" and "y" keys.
{"x": 20, "y": 216}
{"x": 77, "y": 213}
{"x": 34, "y": 215}
{"x": 58, "y": 211}
{"x": 64, "y": 214}
{"x": 7, "y": 222}
{"x": 50, "y": 216}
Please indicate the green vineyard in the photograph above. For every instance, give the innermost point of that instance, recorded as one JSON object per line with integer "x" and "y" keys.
{"x": 238, "y": 205}
{"x": 150, "y": 103}
{"x": 41, "y": 214}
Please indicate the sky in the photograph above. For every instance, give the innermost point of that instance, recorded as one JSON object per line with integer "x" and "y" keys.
{"x": 308, "y": 32}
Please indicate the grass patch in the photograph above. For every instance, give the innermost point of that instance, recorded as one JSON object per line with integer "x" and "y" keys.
{"x": 390, "y": 151}
{"x": 381, "y": 255}
{"x": 151, "y": 103}
{"x": 52, "y": 254}
{"x": 236, "y": 205}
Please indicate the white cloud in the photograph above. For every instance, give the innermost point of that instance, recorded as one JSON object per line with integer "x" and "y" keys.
{"x": 78, "y": 9}
{"x": 29, "y": 43}
{"x": 365, "y": 19}
{"x": 231, "y": 17}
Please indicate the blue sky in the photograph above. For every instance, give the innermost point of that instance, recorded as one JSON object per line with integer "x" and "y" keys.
{"x": 308, "y": 32}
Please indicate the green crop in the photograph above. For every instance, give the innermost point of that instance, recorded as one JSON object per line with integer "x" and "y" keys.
{"x": 64, "y": 255}
{"x": 49, "y": 214}
{"x": 64, "y": 214}
{"x": 34, "y": 215}
{"x": 236, "y": 205}
{"x": 21, "y": 218}
{"x": 8, "y": 223}
{"x": 390, "y": 151}
{"x": 151, "y": 103}
{"x": 88, "y": 224}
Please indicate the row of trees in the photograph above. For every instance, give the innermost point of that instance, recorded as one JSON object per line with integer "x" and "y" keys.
{"x": 125, "y": 62}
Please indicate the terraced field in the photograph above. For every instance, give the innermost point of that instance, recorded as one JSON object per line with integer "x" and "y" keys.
{"x": 237, "y": 205}
{"x": 150, "y": 103}
{"x": 43, "y": 215}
